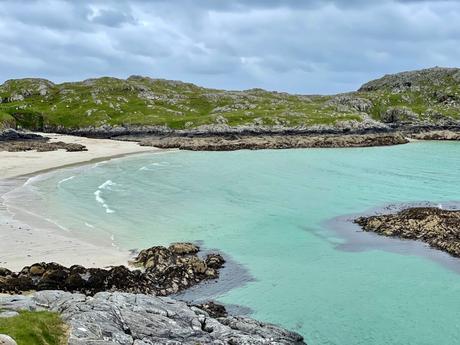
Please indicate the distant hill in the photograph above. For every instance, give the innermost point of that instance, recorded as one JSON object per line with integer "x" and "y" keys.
{"x": 431, "y": 95}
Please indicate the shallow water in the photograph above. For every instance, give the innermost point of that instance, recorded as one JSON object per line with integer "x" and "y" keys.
{"x": 270, "y": 211}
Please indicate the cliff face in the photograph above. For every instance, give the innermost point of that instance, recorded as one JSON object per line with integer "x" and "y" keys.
{"x": 121, "y": 318}
{"x": 427, "y": 97}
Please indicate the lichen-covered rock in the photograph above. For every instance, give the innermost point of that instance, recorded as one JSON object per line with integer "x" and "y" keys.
{"x": 121, "y": 318}
{"x": 439, "y": 228}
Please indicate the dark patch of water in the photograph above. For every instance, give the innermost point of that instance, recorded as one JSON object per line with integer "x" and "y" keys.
{"x": 354, "y": 239}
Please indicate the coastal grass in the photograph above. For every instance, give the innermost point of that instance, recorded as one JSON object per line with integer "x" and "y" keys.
{"x": 34, "y": 103}
{"x": 35, "y": 328}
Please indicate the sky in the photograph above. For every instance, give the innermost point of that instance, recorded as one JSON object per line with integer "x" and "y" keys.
{"x": 298, "y": 46}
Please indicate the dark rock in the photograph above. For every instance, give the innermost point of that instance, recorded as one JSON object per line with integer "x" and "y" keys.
{"x": 213, "y": 309}
{"x": 439, "y": 228}
{"x": 4, "y": 272}
{"x": 399, "y": 114}
{"x": 15, "y": 141}
{"x": 40, "y": 145}
{"x": 214, "y": 260}
{"x": 165, "y": 271}
{"x": 13, "y": 135}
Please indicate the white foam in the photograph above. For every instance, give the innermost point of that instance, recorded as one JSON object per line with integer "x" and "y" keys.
{"x": 66, "y": 179}
{"x": 89, "y": 225}
{"x": 107, "y": 184}
{"x": 155, "y": 164}
{"x": 101, "y": 201}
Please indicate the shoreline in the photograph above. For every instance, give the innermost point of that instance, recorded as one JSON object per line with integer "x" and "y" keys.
{"x": 25, "y": 240}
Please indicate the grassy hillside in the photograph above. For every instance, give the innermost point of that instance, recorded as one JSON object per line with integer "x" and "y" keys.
{"x": 35, "y": 103}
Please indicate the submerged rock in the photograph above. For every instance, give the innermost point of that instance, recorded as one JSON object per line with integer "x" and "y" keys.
{"x": 164, "y": 271}
{"x": 122, "y": 318}
{"x": 439, "y": 228}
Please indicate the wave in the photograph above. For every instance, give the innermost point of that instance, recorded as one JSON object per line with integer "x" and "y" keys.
{"x": 106, "y": 184}
{"x": 156, "y": 164}
{"x": 65, "y": 180}
{"x": 101, "y": 201}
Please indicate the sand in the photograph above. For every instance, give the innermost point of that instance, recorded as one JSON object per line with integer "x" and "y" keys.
{"x": 26, "y": 240}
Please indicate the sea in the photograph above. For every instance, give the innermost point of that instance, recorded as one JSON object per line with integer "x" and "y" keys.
{"x": 284, "y": 218}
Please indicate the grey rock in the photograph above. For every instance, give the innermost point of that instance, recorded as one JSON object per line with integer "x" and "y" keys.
{"x": 351, "y": 103}
{"x": 6, "y": 340}
{"x": 7, "y": 314}
{"x": 399, "y": 114}
{"x": 122, "y": 318}
{"x": 412, "y": 80}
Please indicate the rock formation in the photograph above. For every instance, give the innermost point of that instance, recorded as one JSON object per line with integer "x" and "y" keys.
{"x": 122, "y": 318}
{"x": 229, "y": 143}
{"x": 15, "y": 141}
{"x": 164, "y": 271}
{"x": 439, "y": 228}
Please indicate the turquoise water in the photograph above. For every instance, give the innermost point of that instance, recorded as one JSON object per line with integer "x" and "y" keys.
{"x": 269, "y": 210}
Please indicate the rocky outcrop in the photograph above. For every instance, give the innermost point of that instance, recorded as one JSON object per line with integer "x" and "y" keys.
{"x": 272, "y": 142}
{"x": 122, "y": 318}
{"x": 15, "y": 141}
{"x": 413, "y": 80}
{"x": 13, "y": 135}
{"x": 40, "y": 146}
{"x": 164, "y": 271}
{"x": 437, "y": 135}
{"x": 399, "y": 114}
{"x": 439, "y": 228}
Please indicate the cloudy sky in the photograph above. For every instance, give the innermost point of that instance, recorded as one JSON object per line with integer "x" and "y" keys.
{"x": 302, "y": 46}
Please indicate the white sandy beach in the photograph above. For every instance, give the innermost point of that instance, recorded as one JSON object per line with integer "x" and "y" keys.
{"x": 25, "y": 242}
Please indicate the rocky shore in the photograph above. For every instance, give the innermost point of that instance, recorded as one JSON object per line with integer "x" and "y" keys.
{"x": 439, "y": 228}
{"x": 230, "y": 143}
{"x": 123, "y": 306}
{"x": 122, "y": 318}
{"x": 164, "y": 271}
{"x": 224, "y": 138}
{"x": 16, "y": 141}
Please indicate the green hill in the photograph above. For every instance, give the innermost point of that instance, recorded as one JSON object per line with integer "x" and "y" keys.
{"x": 427, "y": 95}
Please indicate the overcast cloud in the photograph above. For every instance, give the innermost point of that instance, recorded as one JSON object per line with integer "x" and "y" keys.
{"x": 297, "y": 46}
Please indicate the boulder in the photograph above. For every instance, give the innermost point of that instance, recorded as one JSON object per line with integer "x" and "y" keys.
{"x": 6, "y": 340}
{"x": 183, "y": 248}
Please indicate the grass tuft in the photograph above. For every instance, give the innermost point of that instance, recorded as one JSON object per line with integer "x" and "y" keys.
{"x": 35, "y": 328}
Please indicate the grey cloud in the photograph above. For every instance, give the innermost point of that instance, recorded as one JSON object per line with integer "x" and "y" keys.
{"x": 299, "y": 46}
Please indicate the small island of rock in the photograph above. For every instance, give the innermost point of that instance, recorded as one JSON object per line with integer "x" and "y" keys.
{"x": 439, "y": 228}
